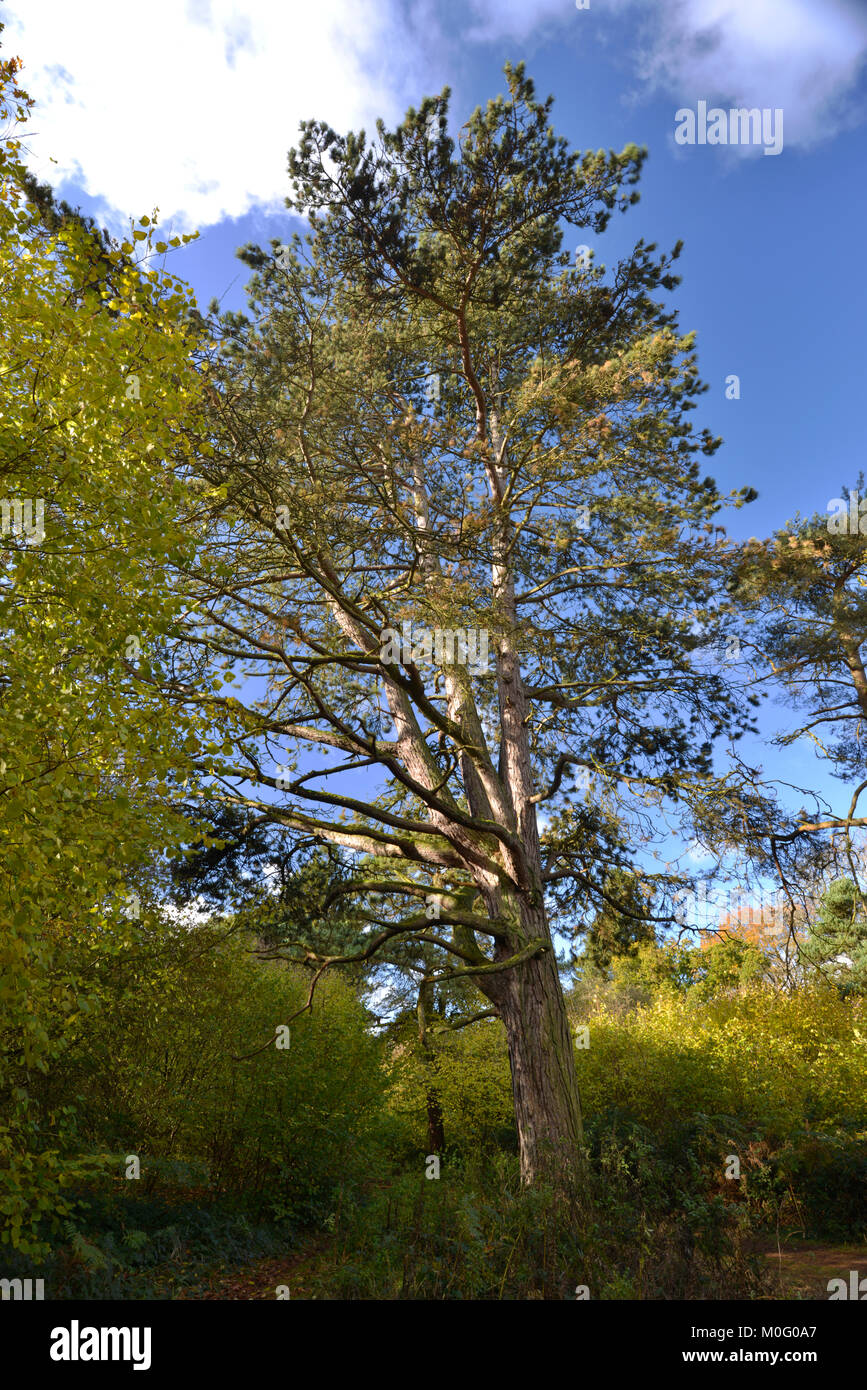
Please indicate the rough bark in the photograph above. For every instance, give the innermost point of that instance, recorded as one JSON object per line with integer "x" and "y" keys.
{"x": 544, "y": 1084}
{"x": 530, "y": 1001}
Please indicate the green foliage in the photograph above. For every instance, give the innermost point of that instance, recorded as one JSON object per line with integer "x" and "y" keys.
{"x": 620, "y": 924}
{"x": 775, "y": 1079}
{"x": 649, "y": 971}
{"x": 181, "y": 1067}
{"x": 837, "y": 941}
{"x": 727, "y": 966}
{"x": 817, "y": 1183}
{"x": 470, "y": 1072}
{"x": 163, "y": 1246}
{"x": 96, "y": 379}
{"x": 774, "y": 1059}
{"x": 478, "y": 1233}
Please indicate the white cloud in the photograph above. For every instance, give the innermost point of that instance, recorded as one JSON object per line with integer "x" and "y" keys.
{"x": 699, "y": 855}
{"x": 192, "y": 105}
{"x": 518, "y": 19}
{"x": 802, "y": 55}
{"x": 794, "y": 54}
{"x": 195, "y": 914}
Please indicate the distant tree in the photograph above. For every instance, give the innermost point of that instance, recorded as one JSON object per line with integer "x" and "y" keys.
{"x": 621, "y": 923}
{"x": 837, "y": 940}
{"x": 764, "y": 936}
{"x": 802, "y": 595}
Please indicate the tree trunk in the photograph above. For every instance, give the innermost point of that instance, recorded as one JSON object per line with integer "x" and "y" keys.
{"x": 530, "y": 1000}
{"x": 436, "y": 1137}
{"x": 528, "y": 995}
{"x": 544, "y": 1083}
{"x": 435, "y": 1130}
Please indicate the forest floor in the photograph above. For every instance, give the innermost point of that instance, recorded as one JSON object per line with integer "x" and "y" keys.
{"x": 802, "y": 1269}
{"x": 260, "y": 1279}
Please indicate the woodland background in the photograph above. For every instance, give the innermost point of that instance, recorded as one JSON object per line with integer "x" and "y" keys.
{"x": 146, "y": 922}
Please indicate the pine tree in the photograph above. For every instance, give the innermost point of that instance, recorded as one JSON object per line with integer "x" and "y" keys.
{"x": 461, "y": 540}
{"x": 621, "y": 924}
{"x": 837, "y": 941}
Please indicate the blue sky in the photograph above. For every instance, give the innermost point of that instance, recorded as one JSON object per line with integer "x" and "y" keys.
{"x": 192, "y": 106}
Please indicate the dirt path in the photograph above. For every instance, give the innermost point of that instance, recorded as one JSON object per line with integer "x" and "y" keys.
{"x": 803, "y": 1268}
{"x": 261, "y": 1279}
